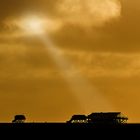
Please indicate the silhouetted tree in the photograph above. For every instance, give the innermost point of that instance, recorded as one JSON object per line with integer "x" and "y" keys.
{"x": 19, "y": 119}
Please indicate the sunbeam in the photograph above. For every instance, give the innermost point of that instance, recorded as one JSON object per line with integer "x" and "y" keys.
{"x": 88, "y": 97}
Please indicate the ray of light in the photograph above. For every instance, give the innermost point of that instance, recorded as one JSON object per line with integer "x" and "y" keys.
{"x": 88, "y": 97}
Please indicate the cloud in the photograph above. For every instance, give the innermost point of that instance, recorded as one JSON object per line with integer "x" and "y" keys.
{"x": 21, "y": 62}
{"x": 16, "y": 8}
{"x": 61, "y": 12}
{"x": 74, "y": 31}
{"x": 89, "y": 12}
{"x": 97, "y": 65}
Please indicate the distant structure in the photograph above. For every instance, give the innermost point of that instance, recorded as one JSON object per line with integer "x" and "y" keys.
{"x": 100, "y": 118}
{"x": 78, "y": 119}
{"x": 107, "y": 118}
{"x": 19, "y": 119}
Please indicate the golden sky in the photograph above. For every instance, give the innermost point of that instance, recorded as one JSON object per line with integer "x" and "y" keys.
{"x": 98, "y": 68}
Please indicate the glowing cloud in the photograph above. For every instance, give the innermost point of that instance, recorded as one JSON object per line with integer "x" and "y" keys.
{"x": 38, "y": 25}
{"x": 32, "y": 25}
{"x": 85, "y": 13}
{"x": 89, "y": 12}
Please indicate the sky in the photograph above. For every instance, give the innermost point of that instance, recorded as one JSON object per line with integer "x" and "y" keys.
{"x": 97, "y": 69}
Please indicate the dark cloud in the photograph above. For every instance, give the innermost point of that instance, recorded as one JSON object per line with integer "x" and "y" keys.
{"x": 10, "y": 8}
{"x": 15, "y": 9}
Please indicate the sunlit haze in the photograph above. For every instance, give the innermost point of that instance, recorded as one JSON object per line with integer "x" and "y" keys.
{"x": 34, "y": 25}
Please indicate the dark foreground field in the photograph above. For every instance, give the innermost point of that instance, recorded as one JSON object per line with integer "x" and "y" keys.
{"x": 67, "y": 126}
{"x": 67, "y": 130}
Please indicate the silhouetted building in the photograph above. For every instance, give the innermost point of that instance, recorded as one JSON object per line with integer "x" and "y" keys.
{"x": 78, "y": 119}
{"x": 100, "y": 118}
{"x": 107, "y": 118}
{"x": 19, "y": 119}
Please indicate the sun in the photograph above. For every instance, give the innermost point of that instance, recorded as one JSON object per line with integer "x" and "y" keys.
{"x": 34, "y": 25}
